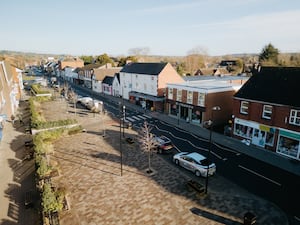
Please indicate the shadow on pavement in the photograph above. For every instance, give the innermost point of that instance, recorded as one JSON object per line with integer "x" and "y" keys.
{"x": 214, "y": 217}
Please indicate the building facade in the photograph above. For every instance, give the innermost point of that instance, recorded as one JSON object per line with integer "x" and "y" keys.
{"x": 266, "y": 111}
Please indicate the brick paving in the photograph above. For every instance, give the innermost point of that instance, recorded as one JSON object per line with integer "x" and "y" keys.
{"x": 98, "y": 194}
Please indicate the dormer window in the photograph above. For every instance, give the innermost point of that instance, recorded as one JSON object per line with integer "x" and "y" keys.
{"x": 295, "y": 117}
{"x": 267, "y": 112}
{"x": 244, "y": 107}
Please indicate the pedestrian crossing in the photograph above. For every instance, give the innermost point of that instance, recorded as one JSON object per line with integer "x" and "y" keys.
{"x": 137, "y": 118}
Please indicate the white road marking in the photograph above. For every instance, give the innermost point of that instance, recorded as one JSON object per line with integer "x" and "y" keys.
{"x": 134, "y": 117}
{"x": 129, "y": 118}
{"x": 251, "y": 171}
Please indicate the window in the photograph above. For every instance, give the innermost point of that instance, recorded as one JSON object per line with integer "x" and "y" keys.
{"x": 179, "y": 95}
{"x": 244, "y": 107}
{"x": 170, "y": 93}
{"x": 267, "y": 112}
{"x": 201, "y": 99}
{"x": 190, "y": 97}
{"x": 295, "y": 117}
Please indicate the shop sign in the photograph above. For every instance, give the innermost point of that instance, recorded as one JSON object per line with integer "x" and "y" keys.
{"x": 289, "y": 134}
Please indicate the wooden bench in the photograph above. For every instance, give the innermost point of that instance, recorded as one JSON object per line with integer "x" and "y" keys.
{"x": 196, "y": 186}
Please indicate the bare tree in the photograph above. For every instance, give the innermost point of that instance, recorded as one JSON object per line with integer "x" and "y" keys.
{"x": 195, "y": 59}
{"x": 139, "y": 51}
{"x": 148, "y": 142}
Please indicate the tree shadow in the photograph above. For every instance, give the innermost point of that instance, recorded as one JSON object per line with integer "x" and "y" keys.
{"x": 214, "y": 217}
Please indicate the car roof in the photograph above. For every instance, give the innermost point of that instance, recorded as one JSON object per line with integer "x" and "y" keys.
{"x": 196, "y": 156}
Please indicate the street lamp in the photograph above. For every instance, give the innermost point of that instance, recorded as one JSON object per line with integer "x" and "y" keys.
{"x": 210, "y": 124}
{"x": 121, "y": 151}
{"x": 124, "y": 115}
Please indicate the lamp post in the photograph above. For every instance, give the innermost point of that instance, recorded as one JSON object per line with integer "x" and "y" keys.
{"x": 124, "y": 115}
{"x": 211, "y": 125}
{"x": 121, "y": 151}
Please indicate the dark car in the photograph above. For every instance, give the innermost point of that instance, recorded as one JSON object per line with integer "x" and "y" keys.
{"x": 164, "y": 144}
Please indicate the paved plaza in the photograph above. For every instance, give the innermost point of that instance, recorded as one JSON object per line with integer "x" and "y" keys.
{"x": 97, "y": 193}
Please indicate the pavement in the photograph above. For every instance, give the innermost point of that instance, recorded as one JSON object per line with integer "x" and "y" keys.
{"x": 100, "y": 192}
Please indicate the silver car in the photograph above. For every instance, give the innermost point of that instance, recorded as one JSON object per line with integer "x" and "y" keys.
{"x": 195, "y": 162}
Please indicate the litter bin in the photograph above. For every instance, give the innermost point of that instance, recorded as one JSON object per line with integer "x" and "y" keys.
{"x": 249, "y": 218}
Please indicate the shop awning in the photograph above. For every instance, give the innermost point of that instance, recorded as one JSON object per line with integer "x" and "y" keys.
{"x": 146, "y": 97}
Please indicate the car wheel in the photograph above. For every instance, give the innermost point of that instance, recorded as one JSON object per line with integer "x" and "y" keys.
{"x": 197, "y": 172}
{"x": 177, "y": 162}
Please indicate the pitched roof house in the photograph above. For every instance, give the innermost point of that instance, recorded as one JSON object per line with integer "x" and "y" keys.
{"x": 107, "y": 85}
{"x": 145, "y": 83}
{"x": 267, "y": 110}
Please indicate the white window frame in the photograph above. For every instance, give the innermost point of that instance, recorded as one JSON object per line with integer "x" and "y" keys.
{"x": 267, "y": 112}
{"x": 294, "y": 117}
{"x": 170, "y": 93}
{"x": 179, "y": 95}
{"x": 189, "y": 97}
{"x": 201, "y": 99}
{"x": 244, "y": 109}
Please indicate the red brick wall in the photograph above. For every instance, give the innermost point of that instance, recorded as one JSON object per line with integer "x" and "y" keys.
{"x": 280, "y": 115}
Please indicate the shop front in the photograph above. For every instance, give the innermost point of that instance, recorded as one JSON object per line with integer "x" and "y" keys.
{"x": 288, "y": 143}
{"x": 148, "y": 102}
{"x": 258, "y": 134}
{"x": 186, "y": 112}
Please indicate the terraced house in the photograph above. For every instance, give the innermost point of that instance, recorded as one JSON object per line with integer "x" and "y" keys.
{"x": 266, "y": 110}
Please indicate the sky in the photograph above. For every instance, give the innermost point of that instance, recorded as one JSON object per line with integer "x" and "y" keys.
{"x": 164, "y": 27}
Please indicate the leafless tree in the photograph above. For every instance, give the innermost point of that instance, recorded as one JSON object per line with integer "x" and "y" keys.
{"x": 139, "y": 51}
{"x": 148, "y": 142}
{"x": 195, "y": 59}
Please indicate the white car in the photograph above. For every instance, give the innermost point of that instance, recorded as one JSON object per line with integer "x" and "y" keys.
{"x": 195, "y": 162}
{"x": 84, "y": 100}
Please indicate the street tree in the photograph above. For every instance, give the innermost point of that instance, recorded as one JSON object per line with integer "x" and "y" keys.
{"x": 147, "y": 142}
{"x": 269, "y": 55}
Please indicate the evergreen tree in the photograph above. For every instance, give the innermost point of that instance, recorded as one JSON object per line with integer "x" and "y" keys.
{"x": 269, "y": 55}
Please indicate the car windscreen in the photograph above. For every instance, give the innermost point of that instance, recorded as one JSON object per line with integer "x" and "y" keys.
{"x": 205, "y": 162}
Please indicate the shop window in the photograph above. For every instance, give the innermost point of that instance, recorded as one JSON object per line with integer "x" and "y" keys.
{"x": 267, "y": 112}
{"x": 244, "y": 107}
{"x": 173, "y": 110}
{"x": 288, "y": 146}
{"x": 201, "y": 99}
{"x": 196, "y": 116}
{"x": 270, "y": 138}
{"x": 190, "y": 97}
{"x": 295, "y": 117}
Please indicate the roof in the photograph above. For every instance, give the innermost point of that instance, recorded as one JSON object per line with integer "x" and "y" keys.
{"x": 277, "y": 85}
{"x": 144, "y": 68}
{"x": 108, "y": 80}
{"x": 206, "y": 86}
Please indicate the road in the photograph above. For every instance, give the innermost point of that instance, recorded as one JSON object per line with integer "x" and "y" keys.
{"x": 267, "y": 181}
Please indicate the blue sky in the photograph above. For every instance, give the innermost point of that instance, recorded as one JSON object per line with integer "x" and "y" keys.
{"x": 168, "y": 27}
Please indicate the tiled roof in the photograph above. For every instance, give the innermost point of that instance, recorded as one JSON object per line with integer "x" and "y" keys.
{"x": 277, "y": 85}
{"x": 108, "y": 80}
{"x": 144, "y": 68}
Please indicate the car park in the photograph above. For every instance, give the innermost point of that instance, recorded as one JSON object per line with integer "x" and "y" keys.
{"x": 164, "y": 144}
{"x": 195, "y": 162}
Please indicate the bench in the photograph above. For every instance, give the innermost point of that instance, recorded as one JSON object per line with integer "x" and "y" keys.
{"x": 28, "y": 199}
{"x": 196, "y": 186}
{"x": 129, "y": 140}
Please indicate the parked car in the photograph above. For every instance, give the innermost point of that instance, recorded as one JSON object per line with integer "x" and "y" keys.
{"x": 195, "y": 162}
{"x": 164, "y": 144}
{"x": 84, "y": 100}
